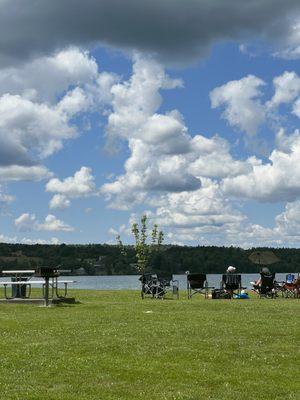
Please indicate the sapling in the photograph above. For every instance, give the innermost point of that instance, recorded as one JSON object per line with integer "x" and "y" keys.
{"x": 143, "y": 250}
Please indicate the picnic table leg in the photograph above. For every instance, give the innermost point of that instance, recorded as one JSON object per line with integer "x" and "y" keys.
{"x": 46, "y": 291}
{"x": 5, "y": 291}
{"x": 65, "y": 290}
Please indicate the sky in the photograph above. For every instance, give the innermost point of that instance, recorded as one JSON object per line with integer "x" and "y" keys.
{"x": 187, "y": 112}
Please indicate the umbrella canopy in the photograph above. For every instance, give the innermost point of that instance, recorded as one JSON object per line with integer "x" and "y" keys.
{"x": 263, "y": 257}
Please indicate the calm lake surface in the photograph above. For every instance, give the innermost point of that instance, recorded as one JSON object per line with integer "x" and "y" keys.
{"x": 131, "y": 282}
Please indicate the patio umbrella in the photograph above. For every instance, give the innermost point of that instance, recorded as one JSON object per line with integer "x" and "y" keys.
{"x": 263, "y": 257}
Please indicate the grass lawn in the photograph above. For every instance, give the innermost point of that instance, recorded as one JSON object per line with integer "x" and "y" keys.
{"x": 113, "y": 345}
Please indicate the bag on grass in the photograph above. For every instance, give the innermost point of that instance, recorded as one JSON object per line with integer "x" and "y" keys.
{"x": 241, "y": 296}
{"x": 219, "y": 294}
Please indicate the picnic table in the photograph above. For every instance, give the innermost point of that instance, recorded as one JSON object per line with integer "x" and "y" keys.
{"x": 21, "y": 280}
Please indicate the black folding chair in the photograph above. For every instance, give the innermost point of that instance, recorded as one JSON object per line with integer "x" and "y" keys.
{"x": 267, "y": 287}
{"x": 197, "y": 283}
{"x": 232, "y": 283}
{"x": 168, "y": 285}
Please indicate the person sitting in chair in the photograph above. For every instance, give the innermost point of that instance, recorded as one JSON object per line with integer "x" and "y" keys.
{"x": 257, "y": 284}
{"x": 230, "y": 270}
{"x": 230, "y": 281}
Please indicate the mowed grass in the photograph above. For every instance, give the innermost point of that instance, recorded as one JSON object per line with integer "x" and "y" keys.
{"x": 113, "y": 345}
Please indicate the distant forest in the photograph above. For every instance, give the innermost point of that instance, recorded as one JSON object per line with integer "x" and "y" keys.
{"x": 108, "y": 259}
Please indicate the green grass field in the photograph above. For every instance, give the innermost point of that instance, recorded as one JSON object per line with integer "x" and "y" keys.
{"x": 113, "y": 345}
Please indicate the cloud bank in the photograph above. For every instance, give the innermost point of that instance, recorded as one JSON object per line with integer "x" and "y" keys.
{"x": 175, "y": 30}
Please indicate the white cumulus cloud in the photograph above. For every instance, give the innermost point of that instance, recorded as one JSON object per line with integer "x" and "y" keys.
{"x": 241, "y": 100}
{"x": 28, "y": 222}
{"x": 82, "y": 184}
{"x": 38, "y": 102}
{"x": 44, "y": 78}
{"x": 59, "y": 201}
{"x": 287, "y": 89}
{"x": 278, "y": 180}
{"x": 164, "y": 157}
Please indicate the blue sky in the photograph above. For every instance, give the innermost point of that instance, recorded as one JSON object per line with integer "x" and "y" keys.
{"x": 198, "y": 128}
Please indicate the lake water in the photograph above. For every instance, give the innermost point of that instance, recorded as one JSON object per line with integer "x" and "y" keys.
{"x": 131, "y": 282}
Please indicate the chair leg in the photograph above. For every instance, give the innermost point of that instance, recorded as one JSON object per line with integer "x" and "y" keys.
{"x": 206, "y": 290}
{"x": 175, "y": 291}
{"x": 206, "y": 293}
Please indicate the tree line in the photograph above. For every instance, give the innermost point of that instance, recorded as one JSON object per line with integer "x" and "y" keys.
{"x": 170, "y": 259}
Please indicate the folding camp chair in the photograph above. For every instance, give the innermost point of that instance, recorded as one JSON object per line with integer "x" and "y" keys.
{"x": 290, "y": 278}
{"x": 288, "y": 287}
{"x": 291, "y": 286}
{"x": 232, "y": 283}
{"x": 267, "y": 287}
{"x": 168, "y": 284}
{"x": 197, "y": 283}
{"x": 151, "y": 286}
